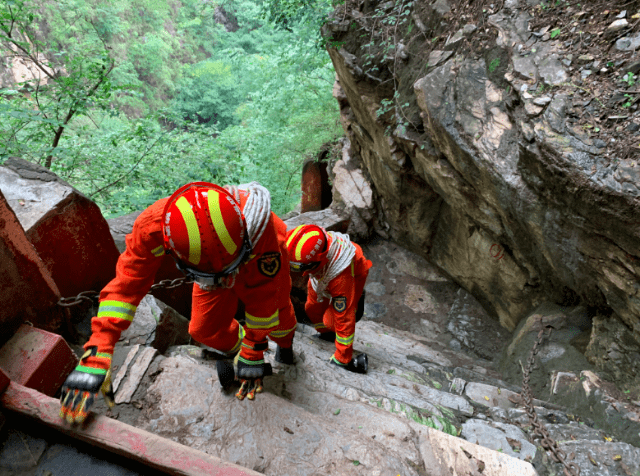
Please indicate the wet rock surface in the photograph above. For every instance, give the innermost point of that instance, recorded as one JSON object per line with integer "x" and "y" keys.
{"x": 498, "y": 162}
{"x": 423, "y": 408}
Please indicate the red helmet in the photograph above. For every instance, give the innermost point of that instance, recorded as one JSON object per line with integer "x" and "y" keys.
{"x": 307, "y": 247}
{"x": 204, "y": 230}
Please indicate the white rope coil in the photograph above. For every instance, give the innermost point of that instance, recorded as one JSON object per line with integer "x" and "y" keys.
{"x": 257, "y": 210}
{"x": 340, "y": 255}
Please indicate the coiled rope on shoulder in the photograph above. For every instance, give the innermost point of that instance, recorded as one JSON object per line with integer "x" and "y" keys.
{"x": 340, "y": 255}
{"x": 257, "y": 210}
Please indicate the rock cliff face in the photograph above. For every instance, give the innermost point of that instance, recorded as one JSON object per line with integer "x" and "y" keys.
{"x": 479, "y": 176}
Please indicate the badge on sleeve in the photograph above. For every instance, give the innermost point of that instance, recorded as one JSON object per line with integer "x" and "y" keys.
{"x": 340, "y": 303}
{"x": 269, "y": 264}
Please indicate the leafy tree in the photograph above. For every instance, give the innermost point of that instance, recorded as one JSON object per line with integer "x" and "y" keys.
{"x": 209, "y": 94}
{"x": 293, "y": 14}
{"x": 77, "y": 81}
{"x": 187, "y": 100}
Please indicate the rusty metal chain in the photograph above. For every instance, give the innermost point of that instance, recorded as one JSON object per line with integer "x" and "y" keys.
{"x": 170, "y": 283}
{"x": 93, "y": 296}
{"x": 75, "y": 300}
{"x": 548, "y": 443}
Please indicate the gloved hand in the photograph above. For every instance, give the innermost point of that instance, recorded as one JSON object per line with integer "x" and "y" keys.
{"x": 92, "y": 375}
{"x": 250, "y": 374}
{"x": 359, "y": 364}
{"x": 249, "y": 368}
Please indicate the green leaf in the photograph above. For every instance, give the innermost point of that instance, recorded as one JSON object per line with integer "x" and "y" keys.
{"x": 555, "y": 32}
{"x": 336, "y": 412}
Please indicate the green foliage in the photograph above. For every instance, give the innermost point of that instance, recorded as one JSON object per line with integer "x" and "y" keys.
{"x": 209, "y": 94}
{"x": 67, "y": 81}
{"x": 289, "y": 14}
{"x": 494, "y": 64}
{"x": 629, "y": 79}
{"x": 185, "y": 100}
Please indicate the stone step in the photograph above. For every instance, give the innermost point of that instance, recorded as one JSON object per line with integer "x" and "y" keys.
{"x": 415, "y": 397}
{"x": 308, "y": 421}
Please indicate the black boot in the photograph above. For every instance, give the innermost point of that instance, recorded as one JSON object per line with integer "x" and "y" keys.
{"x": 284, "y": 356}
{"x": 326, "y": 336}
{"x": 212, "y": 354}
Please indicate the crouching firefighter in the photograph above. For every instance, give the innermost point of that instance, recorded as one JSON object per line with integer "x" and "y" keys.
{"x": 337, "y": 272}
{"x": 231, "y": 244}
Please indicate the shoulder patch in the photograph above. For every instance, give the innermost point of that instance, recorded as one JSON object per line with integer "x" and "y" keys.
{"x": 269, "y": 264}
{"x": 340, "y": 303}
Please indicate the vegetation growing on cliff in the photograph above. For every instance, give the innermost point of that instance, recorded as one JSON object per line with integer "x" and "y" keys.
{"x": 144, "y": 96}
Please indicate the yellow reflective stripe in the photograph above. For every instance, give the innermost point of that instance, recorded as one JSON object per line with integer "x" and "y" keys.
{"x": 117, "y": 309}
{"x": 281, "y": 333}
{"x": 320, "y": 325}
{"x": 192, "y": 229}
{"x": 240, "y": 337}
{"x": 104, "y": 355}
{"x": 293, "y": 235}
{"x": 159, "y": 251}
{"x": 254, "y": 322}
{"x": 353, "y": 268}
{"x": 345, "y": 340}
{"x": 303, "y": 240}
{"x": 218, "y": 223}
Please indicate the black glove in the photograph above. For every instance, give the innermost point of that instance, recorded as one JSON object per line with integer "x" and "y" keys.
{"x": 91, "y": 376}
{"x": 359, "y": 364}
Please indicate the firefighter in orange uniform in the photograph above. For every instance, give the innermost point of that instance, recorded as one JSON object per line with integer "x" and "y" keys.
{"x": 231, "y": 244}
{"x": 337, "y": 272}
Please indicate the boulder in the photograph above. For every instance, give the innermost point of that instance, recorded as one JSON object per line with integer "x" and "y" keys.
{"x": 353, "y": 192}
{"x": 37, "y": 359}
{"x": 613, "y": 350}
{"x": 330, "y": 219}
{"x": 156, "y": 324}
{"x": 555, "y": 353}
{"x": 28, "y": 292}
{"x": 65, "y": 227}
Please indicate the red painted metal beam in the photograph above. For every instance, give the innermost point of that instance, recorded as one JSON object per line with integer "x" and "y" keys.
{"x": 120, "y": 438}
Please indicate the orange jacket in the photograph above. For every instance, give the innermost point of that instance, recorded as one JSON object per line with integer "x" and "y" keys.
{"x": 339, "y": 313}
{"x": 266, "y": 286}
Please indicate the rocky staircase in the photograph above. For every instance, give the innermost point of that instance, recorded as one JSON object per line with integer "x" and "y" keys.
{"x": 419, "y": 411}
{"x": 434, "y": 401}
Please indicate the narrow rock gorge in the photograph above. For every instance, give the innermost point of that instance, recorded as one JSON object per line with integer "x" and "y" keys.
{"x": 467, "y": 142}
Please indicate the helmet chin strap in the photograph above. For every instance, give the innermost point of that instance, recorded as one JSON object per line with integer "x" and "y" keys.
{"x": 226, "y": 278}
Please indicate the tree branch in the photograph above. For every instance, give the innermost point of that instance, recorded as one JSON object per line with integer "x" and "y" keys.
{"x": 146, "y": 152}
{"x": 72, "y": 111}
